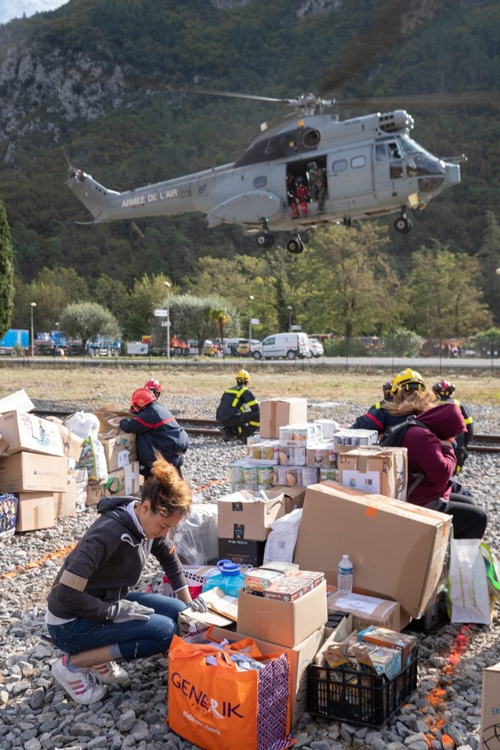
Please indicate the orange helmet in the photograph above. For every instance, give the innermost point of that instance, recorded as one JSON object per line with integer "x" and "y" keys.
{"x": 154, "y": 386}
{"x": 141, "y": 398}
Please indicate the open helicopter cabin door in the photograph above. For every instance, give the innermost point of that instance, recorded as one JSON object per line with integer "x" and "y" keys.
{"x": 350, "y": 172}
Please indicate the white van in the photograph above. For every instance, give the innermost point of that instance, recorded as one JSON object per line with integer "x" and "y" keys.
{"x": 288, "y": 345}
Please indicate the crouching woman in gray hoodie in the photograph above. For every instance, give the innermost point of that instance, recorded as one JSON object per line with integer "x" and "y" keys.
{"x": 92, "y": 614}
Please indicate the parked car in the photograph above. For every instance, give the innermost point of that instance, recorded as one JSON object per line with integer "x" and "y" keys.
{"x": 315, "y": 348}
{"x": 287, "y": 345}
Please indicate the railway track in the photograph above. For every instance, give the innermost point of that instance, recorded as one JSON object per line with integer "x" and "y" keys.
{"x": 197, "y": 426}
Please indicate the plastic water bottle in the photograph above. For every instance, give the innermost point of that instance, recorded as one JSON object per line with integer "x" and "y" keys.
{"x": 229, "y": 578}
{"x": 345, "y": 575}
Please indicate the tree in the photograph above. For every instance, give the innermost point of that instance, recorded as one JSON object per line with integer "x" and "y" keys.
{"x": 445, "y": 297}
{"x": 489, "y": 260}
{"x": 53, "y": 291}
{"x": 487, "y": 343}
{"x": 404, "y": 343}
{"x": 114, "y": 296}
{"x": 220, "y": 317}
{"x": 148, "y": 293}
{"x": 6, "y": 274}
{"x": 86, "y": 320}
{"x": 190, "y": 316}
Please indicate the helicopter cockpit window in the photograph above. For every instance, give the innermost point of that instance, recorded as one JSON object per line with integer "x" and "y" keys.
{"x": 410, "y": 146}
{"x": 260, "y": 182}
{"x": 358, "y": 161}
{"x": 339, "y": 166}
{"x": 395, "y": 151}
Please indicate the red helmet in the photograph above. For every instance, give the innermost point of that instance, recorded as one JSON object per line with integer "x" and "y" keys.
{"x": 141, "y": 398}
{"x": 154, "y": 386}
{"x": 444, "y": 388}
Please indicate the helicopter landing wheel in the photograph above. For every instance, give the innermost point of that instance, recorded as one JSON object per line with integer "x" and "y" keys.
{"x": 295, "y": 245}
{"x": 264, "y": 239}
{"x": 403, "y": 225}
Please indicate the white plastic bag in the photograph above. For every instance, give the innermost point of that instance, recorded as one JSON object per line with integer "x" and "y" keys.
{"x": 280, "y": 544}
{"x": 196, "y": 539}
{"x": 468, "y": 589}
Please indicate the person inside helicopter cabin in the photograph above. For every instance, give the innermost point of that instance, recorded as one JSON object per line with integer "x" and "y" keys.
{"x": 291, "y": 189}
{"x": 317, "y": 185}
{"x": 301, "y": 198}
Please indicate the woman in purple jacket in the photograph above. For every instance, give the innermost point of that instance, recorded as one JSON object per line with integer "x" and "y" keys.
{"x": 431, "y": 458}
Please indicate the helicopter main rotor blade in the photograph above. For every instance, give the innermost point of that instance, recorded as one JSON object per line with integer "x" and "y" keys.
{"x": 385, "y": 30}
{"x": 239, "y": 96}
{"x": 468, "y": 99}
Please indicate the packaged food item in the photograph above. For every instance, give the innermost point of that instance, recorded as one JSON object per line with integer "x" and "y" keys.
{"x": 289, "y": 589}
{"x": 285, "y": 455}
{"x": 389, "y": 638}
{"x": 298, "y": 455}
{"x": 336, "y": 659}
{"x": 297, "y": 434}
{"x": 293, "y": 476}
{"x": 249, "y": 475}
{"x": 387, "y": 661}
{"x": 260, "y": 579}
{"x": 279, "y": 476}
{"x": 308, "y": 476}
{"x": 355, "y": 437}
{"x": 321, "y": 455}
{"x": 328, "y": 427}
{"x": 265, "y": 451}
{"x": 287, "y": 568}
{"x": 364, "y": 661}
{"x": 236, "y": 473}
{"x": 265, "y": 477}
{"x": 316, "y": 577}
{"x": 326, "y": 475}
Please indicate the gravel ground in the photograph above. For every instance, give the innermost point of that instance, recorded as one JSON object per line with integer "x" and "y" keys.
{"x": 36, "y": 713}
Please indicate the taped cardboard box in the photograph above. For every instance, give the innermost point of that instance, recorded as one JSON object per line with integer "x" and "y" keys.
{"x": 299, "y": 657}
{"x": 278, "y": 412}
{"x": 294, "y": 496}
{"x": 25, "y": 432}
{"x": 65, "y": 502}
{"x": 397, "y": 549}
{"x": 366, "y": 610}
{"x": 120, "y": 450}
{"x": 33, "y": 472}
{"x": 242, "y": 517}
{"x": 284, "y": 623}
{"x": 35, "y": 511}
{"x": 381, "y": 471}
{"x": 19, "y": 400}
{"x": 490, "y": 709}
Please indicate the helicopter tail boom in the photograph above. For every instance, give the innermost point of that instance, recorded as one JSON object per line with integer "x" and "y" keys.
{"x": 94, "y": 196}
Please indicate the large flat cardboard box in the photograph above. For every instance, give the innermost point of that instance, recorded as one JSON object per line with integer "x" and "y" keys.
{"x": 397, "y": 549}
{"x": 294, "y": 496}
{"x": 278, "y": 412}
{"x": 120, "y": 450}
{"x": 35, "y": 511}
{"x": 366, "y": 610}
{"x": 24, "y": 432}
{"x": 240, "y": 517}
{"x": 380, "y": 471}
{"x": 33, "y": 472}
{"x": 65, "y": 502}
{"x": 18, "y": 400}
{"x": 72, "y": 444}
{"x": 284, "y": 623}
{"x": 299, "y": 657}
{"x": 248, "y": 553}
{"x": 490, "y": 709}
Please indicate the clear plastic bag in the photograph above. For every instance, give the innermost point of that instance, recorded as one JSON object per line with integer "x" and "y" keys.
{"x": 196, "y": 538}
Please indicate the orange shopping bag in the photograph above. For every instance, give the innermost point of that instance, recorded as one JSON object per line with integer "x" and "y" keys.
{"x": 218, "y": 707}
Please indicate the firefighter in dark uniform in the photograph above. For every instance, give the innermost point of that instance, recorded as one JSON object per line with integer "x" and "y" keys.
{"x": 239, "y": 410}
{"x": 444, "y": 391}
{"x": 377, "y": 417}
{"x": 317, "y": 185}
{"x": 387, "y": 391}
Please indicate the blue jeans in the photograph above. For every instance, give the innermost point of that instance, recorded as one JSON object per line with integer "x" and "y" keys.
{"x": 128, "y": 640}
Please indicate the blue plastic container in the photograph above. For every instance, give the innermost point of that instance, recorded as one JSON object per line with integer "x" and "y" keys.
{"x": 229, "y": 578}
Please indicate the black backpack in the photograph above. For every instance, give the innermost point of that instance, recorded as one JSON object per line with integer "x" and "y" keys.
{"x": 393, "y": 437}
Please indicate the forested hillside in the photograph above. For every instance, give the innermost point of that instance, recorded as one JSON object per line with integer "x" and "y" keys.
{"x": 82, "y": 78}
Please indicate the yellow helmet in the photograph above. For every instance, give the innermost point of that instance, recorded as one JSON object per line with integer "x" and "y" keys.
{"x": 408, "y": 380}
{"x": 243, "y": 375}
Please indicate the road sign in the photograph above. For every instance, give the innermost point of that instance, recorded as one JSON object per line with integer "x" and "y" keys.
{"x": 165, "y": 323}
{"x": 161, "y": 313}
{"x": 295, "y": 328}
{"x": 255, "y": 322}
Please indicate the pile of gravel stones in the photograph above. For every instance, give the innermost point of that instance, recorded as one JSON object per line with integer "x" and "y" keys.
{"x": 36, "y": 713}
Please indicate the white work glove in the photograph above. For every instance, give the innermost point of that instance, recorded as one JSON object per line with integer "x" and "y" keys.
{"x": 126, "y": 611}
{"x": 198, "y": 605}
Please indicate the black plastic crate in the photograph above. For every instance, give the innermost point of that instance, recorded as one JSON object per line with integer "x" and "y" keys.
{"x": 358, "y": 698}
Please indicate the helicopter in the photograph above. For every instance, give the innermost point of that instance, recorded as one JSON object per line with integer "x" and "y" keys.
{"x": 370, "y": 165}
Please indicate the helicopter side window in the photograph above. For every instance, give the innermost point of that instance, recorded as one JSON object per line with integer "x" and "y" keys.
{"x": 395, "y": 151}
{"x": 380, "y": 153}
{"x": 339, "y": 166}
{"x": 358, "y": 161}
{"x": 260, "y": 182}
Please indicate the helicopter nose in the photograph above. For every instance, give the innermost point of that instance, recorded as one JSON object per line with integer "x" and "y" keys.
{"x": 452, "y": 173}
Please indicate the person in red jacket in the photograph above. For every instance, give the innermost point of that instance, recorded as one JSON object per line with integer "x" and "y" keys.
{"x": 431, "y": 454}
{"x": 301, "y": 198}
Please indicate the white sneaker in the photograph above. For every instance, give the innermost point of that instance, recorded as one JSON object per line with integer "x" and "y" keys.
{"x": 83, "y": 686}
{"x": 109, "y": 672}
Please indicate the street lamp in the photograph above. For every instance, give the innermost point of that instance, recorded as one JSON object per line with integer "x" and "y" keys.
{"x": 250, "y": 299}
{"x": 289, "y": 308}
{"x": 167, "y": 286}
{"x": 33, "y": 304}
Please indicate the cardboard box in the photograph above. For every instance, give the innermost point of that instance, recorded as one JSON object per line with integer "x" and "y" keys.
{"x": 284, "y": 623}
{"x": 120, "y": 450}
{"x": 109, "y": 419}
{"x": 18, "y": 400}
{"x": 71, "y": 443}
{"x": 366, "y": 610}
{"x": 241, "y": 518}
{"x": 125, "y": 480}
{"x": 278, "y": 412}
{"x": 35, "y": 511}
{"x": 33, "y": 472}
{"x": 490, "y": 709}
{"x": 65, "y": 502}
{"x": 381, "y": 471}
{"x": 248, "y": 553}
{"x": 24, "y": 432}
{"x": 397, "y": 549}
{"x": 294, "y": 496}
{"x": 300, "y": 656}
{"x": 95, "y": 491}
{"x": 4, "y": 445}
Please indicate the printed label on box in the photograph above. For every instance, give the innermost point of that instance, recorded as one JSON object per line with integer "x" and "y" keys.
{"x": 368, "y": 481}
